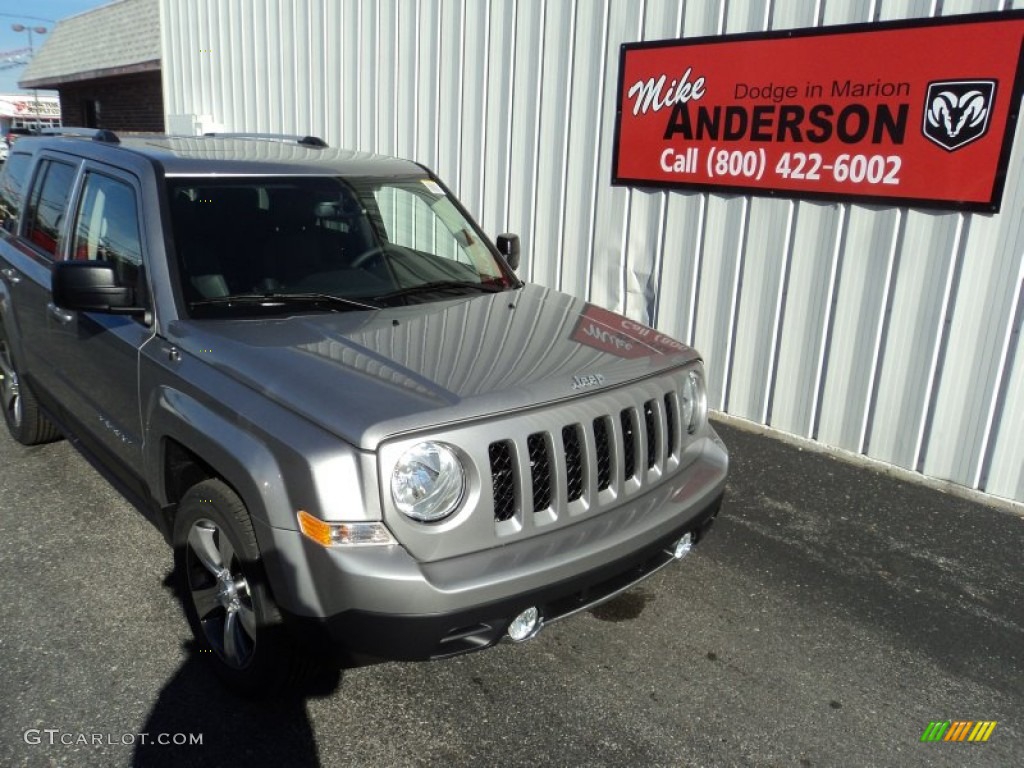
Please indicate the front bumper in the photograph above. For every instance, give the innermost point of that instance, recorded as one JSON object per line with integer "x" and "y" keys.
{"x": 382, "y": 602}
{"x": 412, "y": 637}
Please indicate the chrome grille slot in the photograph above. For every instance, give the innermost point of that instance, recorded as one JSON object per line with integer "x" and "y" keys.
{"x": 626, "y": 417}
{"x": 572, "y": 441}
{"x": 604, "y": 455}
{"x": 503, "y": 480}
{"x": 651, "y": 427}
{"x": 670, "y": 426}
{"x": 540, "y": 471}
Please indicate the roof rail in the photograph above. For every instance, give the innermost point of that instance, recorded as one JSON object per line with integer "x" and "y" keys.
{"x": 306, "y": 141}
{"x": 96, "y": 134}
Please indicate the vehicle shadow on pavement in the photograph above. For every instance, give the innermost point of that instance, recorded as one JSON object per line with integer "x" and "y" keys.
{"x": 234, "y": 730}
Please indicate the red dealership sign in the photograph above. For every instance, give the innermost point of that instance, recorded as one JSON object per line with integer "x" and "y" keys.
{"x": 913, "y": 113}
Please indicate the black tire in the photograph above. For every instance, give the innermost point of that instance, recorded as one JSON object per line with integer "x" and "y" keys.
{"x": 224, "y": 590}
{"x": 25, "y": 421}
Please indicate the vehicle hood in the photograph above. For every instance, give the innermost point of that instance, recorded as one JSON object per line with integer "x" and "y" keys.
{"x": 368, "y": 375}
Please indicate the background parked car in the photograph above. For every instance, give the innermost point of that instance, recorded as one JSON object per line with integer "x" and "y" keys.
{"x": 14, "y": 133}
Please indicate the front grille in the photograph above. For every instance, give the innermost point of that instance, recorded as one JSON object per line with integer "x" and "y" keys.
{"x": 626, "y": 449}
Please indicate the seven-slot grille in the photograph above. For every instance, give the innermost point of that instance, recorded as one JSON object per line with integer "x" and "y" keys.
{"x": 630, "y": 446}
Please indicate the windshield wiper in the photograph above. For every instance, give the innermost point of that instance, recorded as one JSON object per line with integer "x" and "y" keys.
{"x": 439, "y": 285}
{"x": 276, "y": 299}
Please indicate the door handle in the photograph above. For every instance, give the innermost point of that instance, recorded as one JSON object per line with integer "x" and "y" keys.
{"x": 11, "y": 275}
{"x": 62, "y": 316}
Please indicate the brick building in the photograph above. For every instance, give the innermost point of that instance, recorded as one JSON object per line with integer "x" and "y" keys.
{"x": 105, "y": 64}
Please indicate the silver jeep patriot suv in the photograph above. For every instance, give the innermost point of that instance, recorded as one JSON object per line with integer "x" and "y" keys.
{"x": 361, "y": 433}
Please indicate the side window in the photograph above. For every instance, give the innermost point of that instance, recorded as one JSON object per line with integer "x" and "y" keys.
{"x": 107, "y": 226}
{"x": 47, "y": 202}
{"x": 12, "y": 187}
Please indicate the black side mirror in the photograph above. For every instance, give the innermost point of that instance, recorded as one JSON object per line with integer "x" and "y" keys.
{"x": 508, "y": 246}
{"x": 91, "y": 286}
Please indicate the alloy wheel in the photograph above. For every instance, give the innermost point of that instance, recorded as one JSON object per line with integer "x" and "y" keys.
{"x": 220, "y": 593}
{"x": 9, "y": 392}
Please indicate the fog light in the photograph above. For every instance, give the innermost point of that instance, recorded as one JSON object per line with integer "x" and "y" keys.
{"x": 525, "y": 625}
{"x": 683, "y": 546}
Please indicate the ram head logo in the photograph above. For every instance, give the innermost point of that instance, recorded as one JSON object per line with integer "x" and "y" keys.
{"x": 957, "y": 111}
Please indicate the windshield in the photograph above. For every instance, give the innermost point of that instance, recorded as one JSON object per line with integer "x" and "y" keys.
{"x": 255, "y": 244}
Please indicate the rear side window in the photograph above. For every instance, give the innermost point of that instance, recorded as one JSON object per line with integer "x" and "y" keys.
{"x": 47, "y": 203}
{"x": 107, "y": 226}
{"x": 12, "y": 188}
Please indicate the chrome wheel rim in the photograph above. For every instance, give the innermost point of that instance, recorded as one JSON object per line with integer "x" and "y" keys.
{"x": 9, "y": 390}
{"x": 220, "y": 594}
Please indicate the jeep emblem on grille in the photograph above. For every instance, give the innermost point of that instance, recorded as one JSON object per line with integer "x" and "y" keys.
{"x": 588, "y": 380}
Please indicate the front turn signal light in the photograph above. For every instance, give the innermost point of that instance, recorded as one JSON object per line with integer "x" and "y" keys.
{"x": 343, "y": 534}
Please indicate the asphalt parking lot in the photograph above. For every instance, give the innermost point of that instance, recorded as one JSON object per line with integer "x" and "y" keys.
{"x": 832, "y": 613}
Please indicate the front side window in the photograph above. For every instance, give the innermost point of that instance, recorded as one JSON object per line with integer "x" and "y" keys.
{"x": 247, "y": 246}
{"x": 107, "y": 226}
{"x": 47, "y": 203}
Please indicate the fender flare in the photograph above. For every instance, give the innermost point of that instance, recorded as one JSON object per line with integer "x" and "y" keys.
{"x": 246, "y": 464}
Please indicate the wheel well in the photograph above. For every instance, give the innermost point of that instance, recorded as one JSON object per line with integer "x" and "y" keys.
{"x": 182, "y": 469}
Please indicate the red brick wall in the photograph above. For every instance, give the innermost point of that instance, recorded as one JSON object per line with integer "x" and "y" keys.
{"x": 127, "y": 103}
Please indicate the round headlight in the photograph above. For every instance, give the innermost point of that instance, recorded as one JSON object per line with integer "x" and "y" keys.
{"x": 692, "y": 402}
{"x": 428, "y": 482}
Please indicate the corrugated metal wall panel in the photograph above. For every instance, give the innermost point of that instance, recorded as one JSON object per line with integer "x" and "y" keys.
{"x": 366, "y": 12}
{"x": 685, "y": 231}
{"x": 448, "y": 120}
{"x": 849, "y": 12}
{"x": 973, "y": 358}
{"x": 725, "y": 226}
{"x": 388, "y": 55}
{"x": 806, "y": 308}
{"x": 890, "y": 10}
{"x": 528, "y": 89}
{"x": 931, "y": 242}
{"x": 405, "y": 86}
{"x": 496, "y": 147}
{"x": 473, "y": 112}
{"x": 794, "y": 14}
{"x": 759, "y": 311}
{"x": 682, "y": 246}
{"x": 1002, "y": 473}
{"x": 886, "y": 331}
{"x": 865, "y": 280}
{"x": 644, "y": 245}
{"x": 586, "y": 108}
{"x": 542, "y": 258}
{"x": 427, "y": 73}
{"x": 608, "y": 270}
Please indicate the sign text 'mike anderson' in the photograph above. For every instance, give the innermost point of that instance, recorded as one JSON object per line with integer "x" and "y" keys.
{"x": 852, "y": 124}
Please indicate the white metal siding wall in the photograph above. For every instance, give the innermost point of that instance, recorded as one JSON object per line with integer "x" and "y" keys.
{"x": 890, "y": 332}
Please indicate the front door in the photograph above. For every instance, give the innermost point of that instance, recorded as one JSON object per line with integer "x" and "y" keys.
{"x": 97, "y": 355}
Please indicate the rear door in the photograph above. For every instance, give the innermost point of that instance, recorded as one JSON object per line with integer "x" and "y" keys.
{"x": 30, "y": 256}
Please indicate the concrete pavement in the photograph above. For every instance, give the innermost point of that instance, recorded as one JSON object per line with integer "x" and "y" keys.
{"x": 831, "y": 614}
